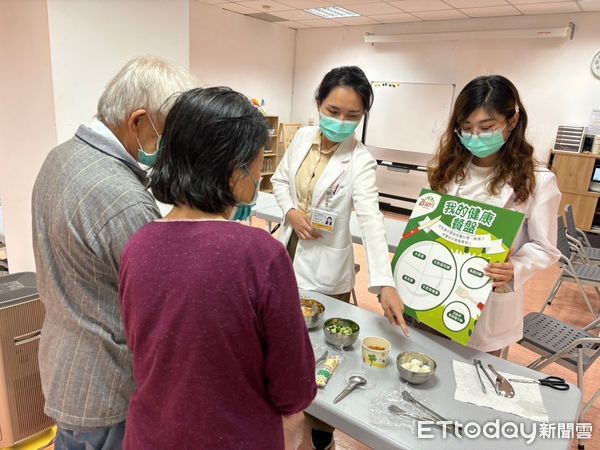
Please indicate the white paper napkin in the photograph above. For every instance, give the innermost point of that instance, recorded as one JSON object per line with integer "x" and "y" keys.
{"x": 527, "y": 401}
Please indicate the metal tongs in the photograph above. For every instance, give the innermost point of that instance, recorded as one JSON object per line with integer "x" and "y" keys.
{"x": 501, "y": 385}
{"x": 322, "y": 358}
{"x": 394, "y": 409}
{"x": 479, "y": 368}
{"x": 430, "y": 412}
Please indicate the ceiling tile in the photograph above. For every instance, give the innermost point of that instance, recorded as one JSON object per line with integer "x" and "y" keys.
{"x": 346, "y": 3}
{"x": 321, "y": 23}
{"x": 492, "y": 11}
{"x": 267, "y": 6}
{"x": 395, "y": 18}
{"x": 292, "y": 24}
{"x": 355, "y": 20}
{"x": 590, "y": 5}
{"x": 523, "y": 2}
{"x": 370, "y": 9}
{"x": 211, "y": 2}
{"x": 475, "y": 3}
{"x": 420, "y": 5}
{"x": 235, "y": 7}
{"x": 440, "y": 15}
{"x": 548, "y": 8}
{"x": 296, "y": 14}
{"x": 303, "y": 4}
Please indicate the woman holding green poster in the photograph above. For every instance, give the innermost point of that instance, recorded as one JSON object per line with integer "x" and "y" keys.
{"x": 484, "y": 156}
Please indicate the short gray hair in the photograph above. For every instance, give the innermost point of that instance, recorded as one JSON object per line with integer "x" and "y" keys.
{"x": 147, "y": 83}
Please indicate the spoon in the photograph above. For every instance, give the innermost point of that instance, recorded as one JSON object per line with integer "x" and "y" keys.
{"x": 353, "y": 383}
{"x": 503, "y": 386}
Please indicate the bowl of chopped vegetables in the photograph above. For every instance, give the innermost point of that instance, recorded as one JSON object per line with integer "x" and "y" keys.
{"x": 313, "y": 312}
{"x": 340, "y": 332}
{"x": 415, "y": 368}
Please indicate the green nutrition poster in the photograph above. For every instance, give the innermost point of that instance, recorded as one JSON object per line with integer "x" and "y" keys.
{"x": 438, "y": 266}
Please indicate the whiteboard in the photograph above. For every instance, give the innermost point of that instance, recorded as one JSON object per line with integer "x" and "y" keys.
{"x": 409, "y": 116}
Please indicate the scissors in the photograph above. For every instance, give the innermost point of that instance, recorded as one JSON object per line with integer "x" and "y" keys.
{"x": 552, "y": 382}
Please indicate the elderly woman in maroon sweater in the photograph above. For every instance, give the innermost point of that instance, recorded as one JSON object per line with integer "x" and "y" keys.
{"x": 210, "y": 306}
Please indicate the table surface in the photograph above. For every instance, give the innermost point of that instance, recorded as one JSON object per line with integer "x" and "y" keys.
{"x": 404, "y": 157}
{"x": 266, "y": 208}
{"x": 352, "y": 415}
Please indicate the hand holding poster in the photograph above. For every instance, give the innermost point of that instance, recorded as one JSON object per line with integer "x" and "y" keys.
{"x": 438, "y": 266}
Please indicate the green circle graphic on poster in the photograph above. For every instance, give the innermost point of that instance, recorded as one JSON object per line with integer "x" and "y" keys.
{"x": 472, "y": 274}
{"x": 425, "y": 275}
{"x": 456, "y": 316}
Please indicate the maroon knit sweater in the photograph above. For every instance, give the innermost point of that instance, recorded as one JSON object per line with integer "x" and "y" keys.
{"x": 220, "y": 349}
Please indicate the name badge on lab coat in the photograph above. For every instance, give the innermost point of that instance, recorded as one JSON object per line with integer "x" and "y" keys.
{"x": 323, "y": 220}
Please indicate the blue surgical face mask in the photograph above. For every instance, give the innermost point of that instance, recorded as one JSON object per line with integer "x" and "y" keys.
{"x": 242, "y": 211}
{"x": 337, "y": 130}
{"x": 484, "y": 144}
{"x": 148, "y": 159}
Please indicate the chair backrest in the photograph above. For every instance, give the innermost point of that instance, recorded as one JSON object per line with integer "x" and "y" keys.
{"x": 562, "y": 243}
{"x": 571, "y": 227}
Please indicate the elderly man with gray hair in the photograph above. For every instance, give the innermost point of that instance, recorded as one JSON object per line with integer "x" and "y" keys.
{"x": 88, "y": 200}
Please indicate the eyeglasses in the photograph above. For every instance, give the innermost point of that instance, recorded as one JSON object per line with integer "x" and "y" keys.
{"x": 468, "y": 134}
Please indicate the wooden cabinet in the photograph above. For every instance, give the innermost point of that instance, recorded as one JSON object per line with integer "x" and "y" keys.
{"x": 271, "y": 154}
{"x": 574, "y": 173}
{"x": 280, "y": 137}
{"x": 584, "y": 208}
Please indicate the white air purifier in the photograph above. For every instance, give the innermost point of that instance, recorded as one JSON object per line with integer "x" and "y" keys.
{"x": 21, "y": 400}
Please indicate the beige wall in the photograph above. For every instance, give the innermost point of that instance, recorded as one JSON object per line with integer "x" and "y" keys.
{"x": 553, "y": 76}
{"x": 55, "y": 58}
{"x": 90, "y": 40}
{"x": 253, "y": 57}
{"x": 27, "y": 125}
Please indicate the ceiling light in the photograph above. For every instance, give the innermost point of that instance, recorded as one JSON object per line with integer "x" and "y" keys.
{"x": 332, "y": 12}
{"x": 525, "y": 33}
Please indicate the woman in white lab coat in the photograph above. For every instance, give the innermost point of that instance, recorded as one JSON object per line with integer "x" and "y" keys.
{"x": 484, "y": 156}
{"x": 325, "y": 174}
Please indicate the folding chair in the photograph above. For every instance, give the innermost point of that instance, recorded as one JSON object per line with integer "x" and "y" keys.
{"x": 573, "y": 348}
{"x": 581, "y": 274}
{"x": 579, "y": 239}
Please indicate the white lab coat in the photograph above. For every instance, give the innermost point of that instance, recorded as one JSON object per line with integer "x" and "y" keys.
{"x": 501, "y": 322}
{"x": 326, "y": 264}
